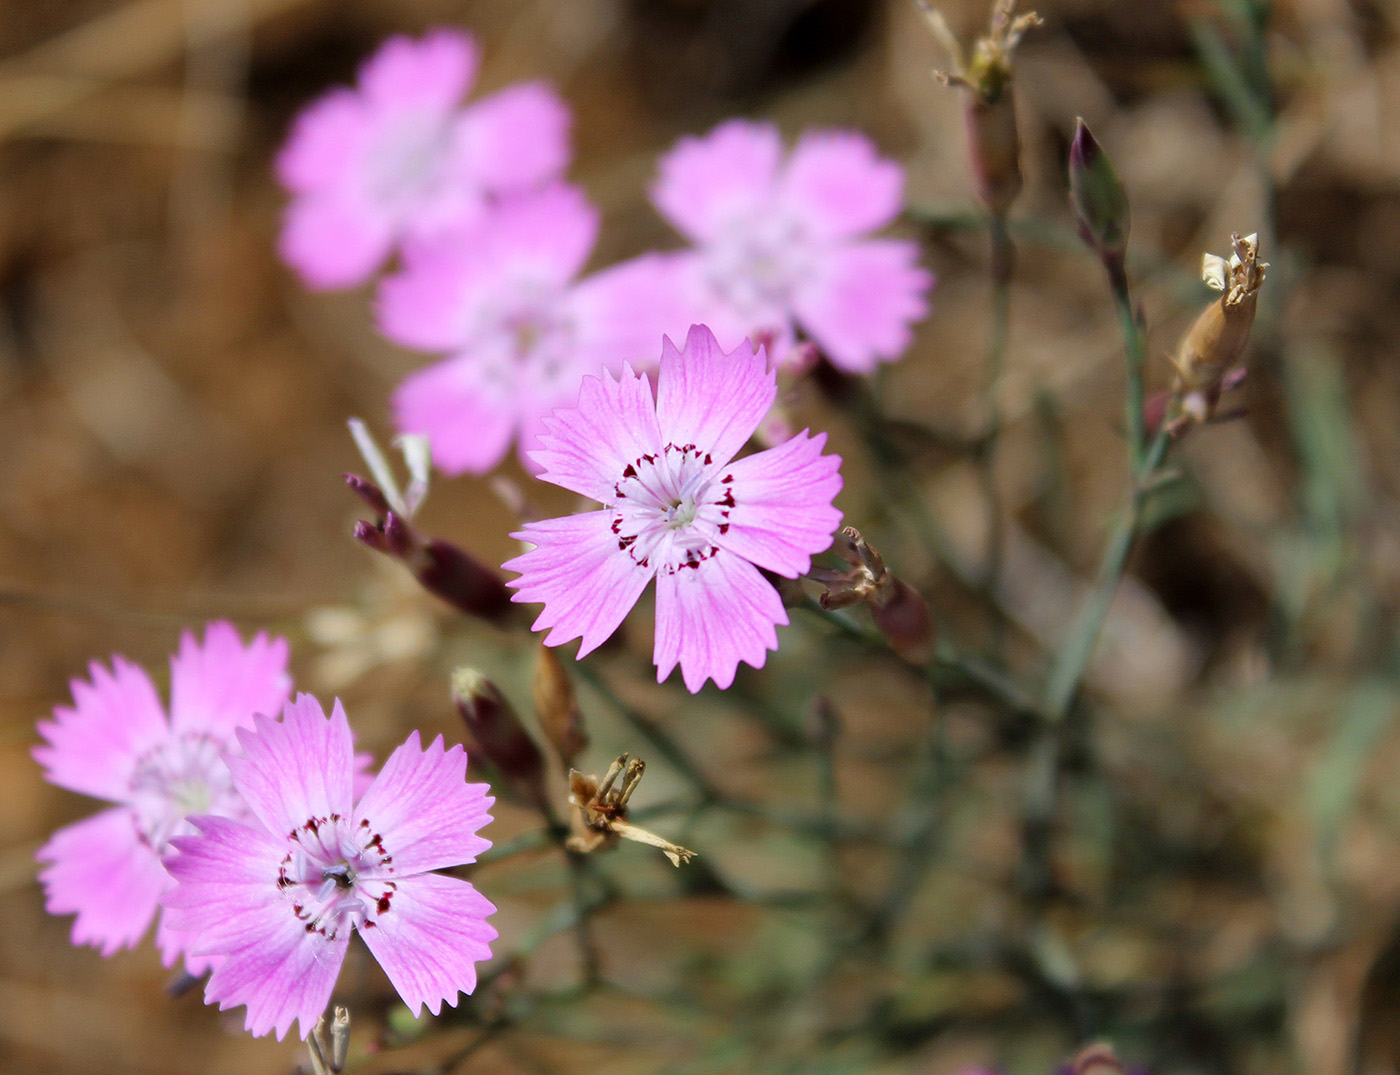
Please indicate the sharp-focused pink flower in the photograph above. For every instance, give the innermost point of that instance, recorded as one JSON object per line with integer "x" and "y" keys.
{"x": 521, "y": 331}
{"x": 398, "y": 158}
{"x": 117, "y": 743}
{"x": 678, "y": 507}
{"x": 276, "y": 899}
{"x": 780, "y": 245}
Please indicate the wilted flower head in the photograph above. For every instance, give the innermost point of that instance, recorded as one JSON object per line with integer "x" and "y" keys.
{"x": 276, "y": 898}
{"x": 598, "y": 811}
{"x": 781, "y": 245}
{"x": 994, "y": 145}
{"x": 521, "y": 331}
{"x": 397, "y": 158}
{"x": 117, "y": 743}
{"x": 679, "y": 508}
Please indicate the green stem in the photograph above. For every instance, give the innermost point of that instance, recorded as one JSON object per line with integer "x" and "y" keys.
{"x": 1002, "y": 259}
{"x": 1070, "y": 663}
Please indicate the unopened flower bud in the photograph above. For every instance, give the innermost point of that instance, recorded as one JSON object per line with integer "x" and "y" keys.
{"x": 556, "y": 708}
{"x": 440, "y": 567}
{"x": 994, "y": 144}
{"x": 1099, "y": 200}
{"x": 898, "y": 610}
{"x": 497, "y": 734}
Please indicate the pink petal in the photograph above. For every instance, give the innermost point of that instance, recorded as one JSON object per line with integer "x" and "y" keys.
{"x": 861, "y": 300}
{"x": 586, "y": 448}
{"x": 621, "y": 313}
{"x": 276, "y": 967}
{"x": 218, "y": 686}
{"x": 102, "y": 871}
{"x": 711, "y": 399}
{"x": 174, "y": 943}
{"x": 542, "y": 237}
{"x": 711, "y": 184}
{"x": 428, "y": 304}
{"x": 518, "y": 137}
{"x": 711, "y": 617}
{"x": 586, "y": 582}
{"x": 298, "y": 768}
{"x": 93, "y": 746}
{"x": 219, "y": 874}
{"x": 332, "y": 242}
{"x": 430, "y": 938}
{"x": 432, "y": 73}
{"x": 838, "y": 186}
{"x": 782, "y": 514}
{"x": 424, "y": 811}
{"x": 458, "y": 405}
{"x": 325, "y": 143}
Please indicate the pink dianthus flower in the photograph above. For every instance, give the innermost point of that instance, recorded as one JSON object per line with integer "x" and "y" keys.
{"x": 781, "y": 245}
{"x": 116, "y": 743}
{"x": 522, "y": 332}
{"x": 679, "y": 508}
{"x": 276, "y": 899}
{"x": 398, "y": 159}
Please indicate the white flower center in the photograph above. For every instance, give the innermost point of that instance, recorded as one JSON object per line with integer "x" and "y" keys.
{"x": 334, "y": 876}
{"x": 405, "y": 163}
{"x": 758, "y": 264}
{"x": 671, "y": 508}
{"x": 177, "y": 779}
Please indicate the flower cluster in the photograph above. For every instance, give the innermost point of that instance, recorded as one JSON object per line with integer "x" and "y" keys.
{"x": 262, "y": 840}
{"x": 492, "y": 244}
{"x": 399, "y": 160}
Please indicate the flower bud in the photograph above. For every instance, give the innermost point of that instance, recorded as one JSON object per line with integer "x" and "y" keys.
{"x": 556, "y": 707}
{"x": 440, "y": 567}
{"x": 989, "y": 115}
{"x": 497, "y": 734}
{"x": 1099, "y": 200}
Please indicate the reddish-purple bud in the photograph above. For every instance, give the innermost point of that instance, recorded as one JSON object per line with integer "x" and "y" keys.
{"x": 370, "y": 493}
{"x": 1099, "y": 200}
{"x": 497, "y": 735}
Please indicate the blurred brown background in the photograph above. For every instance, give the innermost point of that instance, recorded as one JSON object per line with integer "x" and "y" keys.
{"x": 172, "y": 409}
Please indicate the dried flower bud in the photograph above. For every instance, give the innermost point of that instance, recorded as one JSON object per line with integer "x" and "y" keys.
{"x": 1099, "y": 200}
{"x": 556, "y": 708}
{"x": 340, "y": 1038}
{"x": 497, "y": 734}
{"x": 598, "y": 811}
{"x": 440, "y": 567}
{"x": 1207, "y": 360}
{"x": 898, "y": 610}
{"x": 994, "y": 144}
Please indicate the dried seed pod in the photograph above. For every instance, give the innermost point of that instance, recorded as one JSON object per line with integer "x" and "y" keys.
{"x": 1207, "y": 361}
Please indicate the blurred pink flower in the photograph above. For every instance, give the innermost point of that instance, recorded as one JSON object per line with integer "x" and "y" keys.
{"x": 679, "y": 508}
{"x": 522, "y": 332}
{"x": 779, "y": 245}
{"x": 398, "y": 159}
{"x": 116, "y": 743}
{"x": 277, "y": 899}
